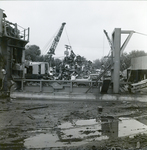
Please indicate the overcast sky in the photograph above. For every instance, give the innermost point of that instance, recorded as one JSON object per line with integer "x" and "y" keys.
{"x": 85, "y": 22}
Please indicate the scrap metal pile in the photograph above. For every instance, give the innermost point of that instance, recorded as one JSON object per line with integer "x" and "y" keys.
{"x": 73, "y": 65}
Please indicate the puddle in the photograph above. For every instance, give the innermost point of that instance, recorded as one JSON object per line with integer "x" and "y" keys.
{"x": 130, "y": 127}
{"x": 48, "y": 141}
{"x": 79, "y": 132}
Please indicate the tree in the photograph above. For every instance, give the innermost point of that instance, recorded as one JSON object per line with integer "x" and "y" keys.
{"x": 97, "y": 64}
{"x": 126, "y": 58}
{"x": 125, "y": 61}
{"x": 57, "y": 64}
{"x": 32, "y": 52}
{"x": 137, "y": 53}
{"x": 102, "y": 63}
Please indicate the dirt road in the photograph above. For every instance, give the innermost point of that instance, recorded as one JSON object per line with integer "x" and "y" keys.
{"x": 20, "y": 120}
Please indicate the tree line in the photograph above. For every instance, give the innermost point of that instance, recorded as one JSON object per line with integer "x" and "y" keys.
{"x": 33, "y": 53}
{"x": 125, "y": 60}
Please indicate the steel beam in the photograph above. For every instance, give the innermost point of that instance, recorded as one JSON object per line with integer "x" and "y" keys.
{"x": 1, "y": 26}
{"x": 116, "y": 39}
{"x": 127, "y": 39}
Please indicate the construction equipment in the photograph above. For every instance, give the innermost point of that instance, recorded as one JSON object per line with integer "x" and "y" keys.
{"x": 37, "y": 70}
{"x": 109, "y": 40}
{"x": 55, "y": 42}
{"x": 13, "y": 39}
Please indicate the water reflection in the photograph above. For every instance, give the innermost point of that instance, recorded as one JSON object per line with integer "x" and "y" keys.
{"x": 102, "y": 128}
{"x": 109, "y": 127}
{"x": 81, "y": 131}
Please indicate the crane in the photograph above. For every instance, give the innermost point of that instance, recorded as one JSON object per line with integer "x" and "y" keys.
{"x": 109, "y": 40}
{"x": 55, "y": 42}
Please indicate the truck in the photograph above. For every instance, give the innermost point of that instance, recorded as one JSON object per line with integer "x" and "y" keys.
{"x": 38, "y": 70}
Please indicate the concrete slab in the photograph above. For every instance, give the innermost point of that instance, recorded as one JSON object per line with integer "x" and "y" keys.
{"x": 77, "y": 96}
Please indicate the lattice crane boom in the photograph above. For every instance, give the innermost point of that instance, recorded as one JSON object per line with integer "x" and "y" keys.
{"x": 56, "y": 40}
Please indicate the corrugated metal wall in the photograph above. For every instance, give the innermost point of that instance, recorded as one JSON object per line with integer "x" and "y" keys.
{"x": 139, "y": 63}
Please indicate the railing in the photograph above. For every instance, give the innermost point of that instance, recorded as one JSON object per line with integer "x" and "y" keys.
{"x": 15, "y": 31}
{"x": 41, "y": 83}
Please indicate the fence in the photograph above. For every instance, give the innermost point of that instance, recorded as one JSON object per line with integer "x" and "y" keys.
{"x": 41, "y": 85}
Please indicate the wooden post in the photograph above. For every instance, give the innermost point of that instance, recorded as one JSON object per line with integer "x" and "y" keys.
{"x": 71, "y": 86}
{"x": 40, "y": 86}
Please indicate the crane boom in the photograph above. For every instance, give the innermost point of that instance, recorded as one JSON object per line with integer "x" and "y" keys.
{"x": 110, "y": 42}
{"x": 56, "y": 40}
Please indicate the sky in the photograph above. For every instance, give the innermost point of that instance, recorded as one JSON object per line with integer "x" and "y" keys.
{"x": 85, "y": 22}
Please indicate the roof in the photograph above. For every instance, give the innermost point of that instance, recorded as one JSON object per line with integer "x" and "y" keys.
{"x": 94, "y": 74}
{"x": 37, "y": 63}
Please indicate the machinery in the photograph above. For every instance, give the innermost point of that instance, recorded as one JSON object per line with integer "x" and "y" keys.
{"x": 116, "y": 51}
{"x": 74, "y": 65}
{"x": 38, "y": 70}
{"x": 55, "y": 42}
{"x": 13, "y": 39}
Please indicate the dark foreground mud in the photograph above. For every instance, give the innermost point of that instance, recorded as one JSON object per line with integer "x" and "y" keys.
{"x": 42, "y": 124}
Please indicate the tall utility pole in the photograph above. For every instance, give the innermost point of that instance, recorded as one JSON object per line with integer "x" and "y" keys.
{"x": 118, "y": 50}
{"x": 116, "y": 38}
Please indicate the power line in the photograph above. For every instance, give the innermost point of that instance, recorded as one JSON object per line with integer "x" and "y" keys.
{"x": 46, "y": 47}
{"x": 141, "y": 33}
{"x": 67, "y": 37}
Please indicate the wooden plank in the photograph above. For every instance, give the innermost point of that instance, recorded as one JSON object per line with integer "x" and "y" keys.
{"x": 38, "y": 107}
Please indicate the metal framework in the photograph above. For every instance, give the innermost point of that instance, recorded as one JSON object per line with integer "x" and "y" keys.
{"x": 116, "y": 53}
{"x": 56, "y": 40}
{"x": 13, "y": 39}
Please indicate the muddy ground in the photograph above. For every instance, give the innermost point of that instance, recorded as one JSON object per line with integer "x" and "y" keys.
{"x": 21, "y": 119}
